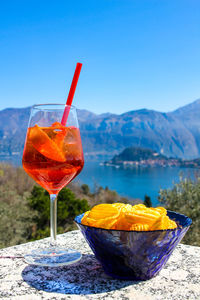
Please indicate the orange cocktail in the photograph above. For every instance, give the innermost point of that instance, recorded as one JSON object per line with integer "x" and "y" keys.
{"x": 53, "y": 155}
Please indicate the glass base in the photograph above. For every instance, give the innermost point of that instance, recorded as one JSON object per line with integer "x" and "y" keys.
{"x": 53, "y": 257}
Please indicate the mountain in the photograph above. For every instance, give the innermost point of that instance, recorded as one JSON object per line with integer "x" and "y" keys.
{"x": 175, "y": 134}
{"x": 85, "y": 115}
{"x": 13, "y": 126}
{"x": 189, "y": 115}
{"x": 161, "y": 132}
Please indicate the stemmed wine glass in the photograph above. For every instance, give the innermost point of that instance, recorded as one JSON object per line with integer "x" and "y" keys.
{"x": 53, "y": 157}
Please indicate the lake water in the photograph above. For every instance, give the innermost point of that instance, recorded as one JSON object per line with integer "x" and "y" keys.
{"x": 131, "y": 183}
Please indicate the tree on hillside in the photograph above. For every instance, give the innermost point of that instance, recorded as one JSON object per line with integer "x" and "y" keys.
{"x": 147, "y": 201}
{"x": 68, "y": 207}
{"x": 16, "y": 219}
{"x": 184, "y": 198}
{"x": 85, "y": 189}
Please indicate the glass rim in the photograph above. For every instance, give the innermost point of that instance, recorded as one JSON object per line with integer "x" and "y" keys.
{"x": 40, "y": 106}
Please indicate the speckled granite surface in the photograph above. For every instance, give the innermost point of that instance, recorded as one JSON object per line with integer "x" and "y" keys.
{"x": 86, "y": 279}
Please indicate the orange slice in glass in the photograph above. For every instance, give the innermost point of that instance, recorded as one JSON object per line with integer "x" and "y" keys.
{"x": 43, "y": 144}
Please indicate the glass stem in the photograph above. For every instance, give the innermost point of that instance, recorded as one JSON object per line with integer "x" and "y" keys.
{"x": 53, "y": 218}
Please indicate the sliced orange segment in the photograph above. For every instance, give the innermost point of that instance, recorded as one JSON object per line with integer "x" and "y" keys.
{"x": 106, "y": 223}
{"x": 140, "y": 210}
{"x": 163, "y": 222}
{"x": 45, "y": 145}
{"x": 141, "y": 217}
{"x": 103, "y": 211}
{"x": 159, "y": 224}
{"x": 118, "y": 205}
{"x": 122, "y": 223}
{"x": 59, "y": 131}
{"x": 90, "y": 222}
{"x": 127, "y": 208}
{"x": 140, "y": 227}
{"x": 161, "y": 210}
{"x": 58, "y": 124}
{"x": 139, "y": 207}
{"x": 172, "y": 224}
{"x": 84, "y": 218}
{"x": 122, "y": 216}
{"x": 72, "y": 142}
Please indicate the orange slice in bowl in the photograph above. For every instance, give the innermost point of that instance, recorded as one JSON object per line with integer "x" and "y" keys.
{"x": 118, "y": 205}
{"x": 122, "y": 223}
{"x": 104, "y": 211}
{"x": 140, "y": 207}
{"x": 162, "y": 223}
{"x": 43, "y": 144}
{"x": 106, "y": 223}
{"x": 90, "y": 222}
{"x": 142, "y": 217}
{"x": 120, "y": 216}
{"x": 84, "y": 218}
{"x": 172, "y": 224}
{"x": 139, "y": 227}
{"x": 161, "y": 210}
{"x": 127, "y": 208}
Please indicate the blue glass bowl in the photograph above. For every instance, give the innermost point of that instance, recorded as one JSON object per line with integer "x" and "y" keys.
{"x": 134, "y": 255}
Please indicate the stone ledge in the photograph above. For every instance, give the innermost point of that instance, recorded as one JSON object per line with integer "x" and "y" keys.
{"x": 86, "y": 279}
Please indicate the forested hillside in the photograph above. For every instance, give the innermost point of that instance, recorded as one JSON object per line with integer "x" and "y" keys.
{"x": 25, "y": 211}
{"x": 24, "y": 206}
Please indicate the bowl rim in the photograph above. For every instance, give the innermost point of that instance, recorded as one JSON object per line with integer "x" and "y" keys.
{"x": 143, "y": 231}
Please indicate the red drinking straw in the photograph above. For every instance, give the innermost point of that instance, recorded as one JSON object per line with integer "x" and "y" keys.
{"x": 71, "y": 93}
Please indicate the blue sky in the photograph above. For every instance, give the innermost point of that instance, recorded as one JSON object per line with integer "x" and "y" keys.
{"x": 135, "y": 53}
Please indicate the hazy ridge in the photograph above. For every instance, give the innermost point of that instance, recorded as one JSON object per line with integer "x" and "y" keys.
{"x": 175, "y": 134}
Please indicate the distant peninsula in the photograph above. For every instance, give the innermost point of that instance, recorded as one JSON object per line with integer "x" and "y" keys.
{"x": 136, "y": 156}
